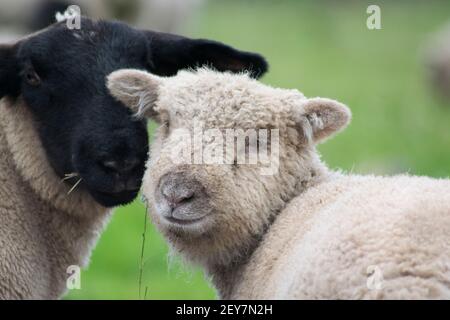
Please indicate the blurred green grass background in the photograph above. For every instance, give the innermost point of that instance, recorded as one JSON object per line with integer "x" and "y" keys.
{"x": 323, "y": 48}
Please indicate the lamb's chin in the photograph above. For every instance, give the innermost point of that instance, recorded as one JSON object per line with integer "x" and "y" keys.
{"x": 110, "y": 200}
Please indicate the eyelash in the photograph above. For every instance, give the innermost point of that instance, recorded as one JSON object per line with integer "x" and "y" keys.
{"x": 165, "y": 126}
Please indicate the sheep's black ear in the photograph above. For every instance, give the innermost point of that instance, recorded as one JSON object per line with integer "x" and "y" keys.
{"x": 138, "y": 90}
{"x": 319, "y": 118}
{"x": 169, "y": 53}
{"x": 9, "y": 71}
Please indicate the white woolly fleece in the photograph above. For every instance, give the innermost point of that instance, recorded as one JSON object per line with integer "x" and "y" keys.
{"x": 43, "y": 230}
{"x": 306, "y": 232}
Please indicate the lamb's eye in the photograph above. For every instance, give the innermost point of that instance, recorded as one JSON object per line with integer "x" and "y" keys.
{"x": 32, "y": 78}
{"x": 166, "y": 125}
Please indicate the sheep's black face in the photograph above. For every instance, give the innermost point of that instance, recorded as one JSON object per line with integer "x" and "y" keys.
{"x": 82, "y": 128}
{"x": 60, "y": 74}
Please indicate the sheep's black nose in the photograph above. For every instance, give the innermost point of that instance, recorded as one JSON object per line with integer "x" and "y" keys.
{"x": 177, "y": 189}
{"x": 121, "y": 167}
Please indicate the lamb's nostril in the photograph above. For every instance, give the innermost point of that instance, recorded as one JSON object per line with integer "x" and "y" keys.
{"x": 111, "y": 165}
{"x": 121, "y": 167}
{"x": 176, "y": 199}
{"x": 130, "y": 164}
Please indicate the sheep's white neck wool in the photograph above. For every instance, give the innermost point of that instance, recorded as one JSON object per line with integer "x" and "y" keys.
{"x": 31, "y": 160}
{"x": 44, "y": 229}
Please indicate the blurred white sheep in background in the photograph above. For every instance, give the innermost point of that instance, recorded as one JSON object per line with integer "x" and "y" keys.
{"x": 437, "y": 61}
{"x": 167, "y": 15}
{"x": 19, "y": 17}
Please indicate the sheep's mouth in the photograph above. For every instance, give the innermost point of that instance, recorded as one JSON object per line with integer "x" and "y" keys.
{"x": 116, "y": 198}
{"x": 184, "y": 222}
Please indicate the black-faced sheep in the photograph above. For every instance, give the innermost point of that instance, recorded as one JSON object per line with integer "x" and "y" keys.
{"x": 58, "y": 122}
{"x": 300, "y": 231}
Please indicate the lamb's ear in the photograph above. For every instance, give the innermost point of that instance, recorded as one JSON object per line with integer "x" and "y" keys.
{"x": 169, "y": 53}
{"x": 138, "y": 90}
{"x": 320, "y": 118}
{"x": 9, "y": 71}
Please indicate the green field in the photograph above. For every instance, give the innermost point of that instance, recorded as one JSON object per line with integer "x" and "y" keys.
{"x": 323, "y": 49}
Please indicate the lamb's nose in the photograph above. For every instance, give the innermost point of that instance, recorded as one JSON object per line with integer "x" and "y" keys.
{"x": 176, "y": 199}
{"x": 177, "y": 189}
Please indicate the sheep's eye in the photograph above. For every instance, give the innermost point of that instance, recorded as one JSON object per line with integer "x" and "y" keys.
{"x": 32, "y": 78}
{"x": 166, "y": 125}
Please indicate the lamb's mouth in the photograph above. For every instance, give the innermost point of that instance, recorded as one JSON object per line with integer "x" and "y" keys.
{"x": 183, "y": 222}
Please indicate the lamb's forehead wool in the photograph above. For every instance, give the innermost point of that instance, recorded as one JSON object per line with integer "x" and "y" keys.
{"x": 219, "y": 99}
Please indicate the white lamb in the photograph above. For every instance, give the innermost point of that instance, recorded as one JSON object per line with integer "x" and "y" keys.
{"x": 304, "y": 232}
